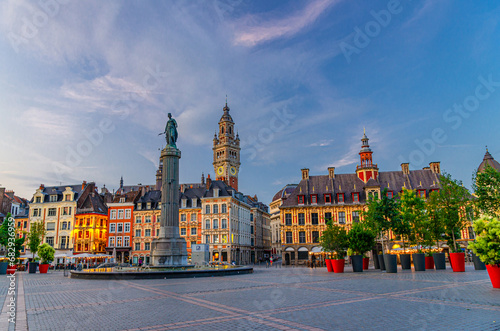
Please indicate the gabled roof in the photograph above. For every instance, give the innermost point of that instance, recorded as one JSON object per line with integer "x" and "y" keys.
{"x": 58, "y": 190}
{"x": 350, "y": 183}
{"x": 92, "y": 202}
{"x": 131, "y": 196}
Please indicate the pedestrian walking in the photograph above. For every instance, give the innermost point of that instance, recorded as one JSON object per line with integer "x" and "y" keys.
{"x": 313, "y": 261}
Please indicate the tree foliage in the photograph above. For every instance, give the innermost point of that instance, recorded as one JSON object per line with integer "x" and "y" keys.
{"x": 360, "y": 239}
{"x": 35, "y": 236}
{"x": 46, "y": 253}
{"x": 450, "y": 209}
{"x": 5, "y": 234}
{"x": 382, "y": 215}
{"x": 334, "y": 239}
{"x": 486, "y": 186}
{"x": 414, "y": 219}
{"x": 487, "y": 243}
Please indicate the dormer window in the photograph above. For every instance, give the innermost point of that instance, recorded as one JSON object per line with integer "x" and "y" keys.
{"x": 355, "y": 197}
{"x": 139, "y": 206}
{"x": 67, "y": 197}
{"x": 53, "y": 198}
{"x": 183, "y": 203}
{"x": 194, "y": 202}
{"x": 328, "y": 198}
{"x": 421, "y": 193}
{"x": 148, "y": 206}
{"x": 122, "y": 200}
{"x": 434, "y": 190}
{"x": 340, "y": 197}
{"x": 300, "y": 199}
{"x": 314, "y": 198}
{"x": 390, "y": 194}
{"x": 38, "y": 199}
{"x": 216, "y": 192}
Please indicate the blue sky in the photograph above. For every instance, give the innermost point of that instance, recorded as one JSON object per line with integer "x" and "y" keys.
{"x": 85, "y": 87}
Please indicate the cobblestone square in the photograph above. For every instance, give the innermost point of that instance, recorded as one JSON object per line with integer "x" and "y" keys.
{"x": 268, "y": 299}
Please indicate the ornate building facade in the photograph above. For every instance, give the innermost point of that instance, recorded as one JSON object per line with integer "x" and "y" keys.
{"x": 91, "y": 218}
{"x": 146, "y": 227}
{"x": 342, "y": 198}
{"x": 56, "y": 206}
{"x": 120, "y": 225}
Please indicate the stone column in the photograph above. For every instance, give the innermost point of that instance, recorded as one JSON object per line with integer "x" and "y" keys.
{"x": 169, "y": 249}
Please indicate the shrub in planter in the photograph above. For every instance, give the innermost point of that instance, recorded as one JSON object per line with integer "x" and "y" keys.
{"x": 360, "y": 240}
{"x": 487, "y": 246}
{"x": 46, "y": 253}
{"x": 334, "y": 239}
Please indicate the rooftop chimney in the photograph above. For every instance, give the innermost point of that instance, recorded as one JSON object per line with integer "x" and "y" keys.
{"x": 209, "y": 182}
{"x": 83, "y": 184}
{"x": 305, "y": 173}
{"x": 435, "y": 167}
{"x": 331, "y": 172}
{"x": 42, "y": 187}
{"x": 405, "y": 167}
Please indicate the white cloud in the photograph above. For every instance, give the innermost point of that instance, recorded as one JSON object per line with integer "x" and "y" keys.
{"x": 249, "y": 34}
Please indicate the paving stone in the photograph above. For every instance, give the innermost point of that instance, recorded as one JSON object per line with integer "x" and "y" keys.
{"x": 268, "y": 299}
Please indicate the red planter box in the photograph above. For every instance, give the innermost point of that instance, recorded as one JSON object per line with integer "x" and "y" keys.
{"x": 429, "y": 262}
{"x": 338, "y": 266}
{"x": 366, "y": 263}
{"x": 494, "y": 273}
{"x": 43, "y": 268}
{"x": 329, "y": 265}
{"x": 457, "y": 261}
{"x": 11, "y": 270}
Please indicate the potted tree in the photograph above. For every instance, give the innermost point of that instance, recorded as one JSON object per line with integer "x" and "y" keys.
{"x": 46, "y": 253}
{"x": 380, "y": 216}
{"x": 413, "y": 211}
{"x": 487, "y": 246}
{"x": 35, "y": 237}
{"x": 452, "y": 205}
{"x": 326, "y": 240}
{"x": 360, "y": 240}
{"x": 402, "y": 227}
{"x": 335, "y": 239}
{"x": 435, "y": 227}
{"x": 486, "y": 185}
{"x": 13, "y": 244}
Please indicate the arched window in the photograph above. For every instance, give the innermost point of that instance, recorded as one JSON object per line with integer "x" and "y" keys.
{"x": 215, "y": 224}
{"x": 223, "y": 208}
{"x": 216, "y": 209}
{"x": 207, "y": 224}
{"x": 207, "y": 209}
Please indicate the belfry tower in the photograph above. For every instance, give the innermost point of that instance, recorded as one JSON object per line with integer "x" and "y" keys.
{"x": 227, "y": 151}
{"x": 367, "y": 169}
